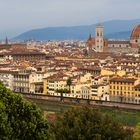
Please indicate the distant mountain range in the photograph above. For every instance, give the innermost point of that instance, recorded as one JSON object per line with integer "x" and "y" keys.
{"x": 114, "y": 29}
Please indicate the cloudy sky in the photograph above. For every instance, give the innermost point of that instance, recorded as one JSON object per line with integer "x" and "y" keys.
{"x": 18, "y": 16}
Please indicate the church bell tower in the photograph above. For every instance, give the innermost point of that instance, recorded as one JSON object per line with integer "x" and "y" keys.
{"x": 99, "y": 39}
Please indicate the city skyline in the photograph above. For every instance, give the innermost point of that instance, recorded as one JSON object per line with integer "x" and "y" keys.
{"x": 20, "y": 16}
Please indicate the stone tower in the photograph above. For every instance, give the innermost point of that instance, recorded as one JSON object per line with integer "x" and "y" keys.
{"x": 99, "y": 39}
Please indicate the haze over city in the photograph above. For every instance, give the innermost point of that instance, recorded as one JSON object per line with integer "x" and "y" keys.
{"x": 20, "y": 16}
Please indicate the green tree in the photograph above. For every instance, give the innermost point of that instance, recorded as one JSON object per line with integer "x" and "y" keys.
{"x": 69, "y": 83}
{"x": 19, "y": 119}
{"x": 62, "y": 91}
{"x": 5, "y": 129}
{"x": 86, "y": 123}
{"x": 137, "y": 133}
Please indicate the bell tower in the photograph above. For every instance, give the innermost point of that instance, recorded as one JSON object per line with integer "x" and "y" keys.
{"x": 99, "y": 39}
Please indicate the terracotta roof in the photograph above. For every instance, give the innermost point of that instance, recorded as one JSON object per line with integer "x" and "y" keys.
{"x": 123, "y": 79}
{"x": 21, "y": 52}
{"x": 90, "y": 68}
{"x": 118, "y": 42}
{"x": 91, "y": 39}
{"x": 135, "y": 32}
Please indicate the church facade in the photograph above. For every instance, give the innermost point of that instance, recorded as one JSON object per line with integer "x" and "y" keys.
{"x": 100, "y": 44}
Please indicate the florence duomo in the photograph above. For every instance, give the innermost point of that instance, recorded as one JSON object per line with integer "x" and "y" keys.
{"x": 101, "y": 44}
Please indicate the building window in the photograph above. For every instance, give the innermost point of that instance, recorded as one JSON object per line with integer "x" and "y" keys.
{"x": 124, "y": 87}
{"x": 114, "y": 92}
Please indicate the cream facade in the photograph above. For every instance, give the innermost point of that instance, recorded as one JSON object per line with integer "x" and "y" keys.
{"x": 99, "y": 40}
{"x": 7, "y": 78}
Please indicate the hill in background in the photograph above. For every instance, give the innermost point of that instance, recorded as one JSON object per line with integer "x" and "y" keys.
{"x": 114, "y": 29}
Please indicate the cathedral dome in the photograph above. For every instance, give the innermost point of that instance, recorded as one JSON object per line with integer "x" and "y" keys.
{"x": 136, "y": 32}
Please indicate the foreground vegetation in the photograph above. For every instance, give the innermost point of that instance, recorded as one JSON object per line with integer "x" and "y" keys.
{"x": 19, "y": 119}
{"x": 22, "y": 120}
{"x": 85, "y": 123}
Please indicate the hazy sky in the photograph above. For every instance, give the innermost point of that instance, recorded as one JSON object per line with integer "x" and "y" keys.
{"x": 18, "y": 16}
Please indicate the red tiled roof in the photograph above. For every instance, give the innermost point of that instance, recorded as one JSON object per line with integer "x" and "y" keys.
{"x": 118, "y": 42}
{"x": 90, "y": 68}
{"x": 136, "y": 32}
{"x": 123, "y": 79}
{"x": 22, "y": 52}
{"x": 92, "y": 39}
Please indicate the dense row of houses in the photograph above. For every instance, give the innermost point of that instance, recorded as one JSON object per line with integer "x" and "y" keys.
{"x": 107, "y": 85}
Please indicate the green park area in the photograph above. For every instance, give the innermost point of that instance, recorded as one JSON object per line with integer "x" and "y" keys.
{"x": 127, "y": 117}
